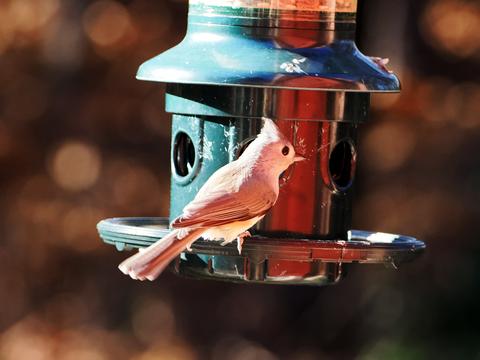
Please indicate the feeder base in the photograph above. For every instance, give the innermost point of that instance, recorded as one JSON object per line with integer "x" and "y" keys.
{"x": 266, "y": 259}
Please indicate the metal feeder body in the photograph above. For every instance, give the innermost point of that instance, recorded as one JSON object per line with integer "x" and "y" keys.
{"x": 294, "y": 62}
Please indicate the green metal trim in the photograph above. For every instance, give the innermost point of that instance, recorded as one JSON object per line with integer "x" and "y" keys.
{"x": 249, "y": 102}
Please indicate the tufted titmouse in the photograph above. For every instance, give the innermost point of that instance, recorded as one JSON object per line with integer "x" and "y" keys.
{"x": 232, "y": 200}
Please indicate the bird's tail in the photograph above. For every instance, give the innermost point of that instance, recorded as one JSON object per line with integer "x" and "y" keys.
{"x": 150, "y": 262}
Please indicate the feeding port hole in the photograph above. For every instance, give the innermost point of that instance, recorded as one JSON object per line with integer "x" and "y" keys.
{"x": 342, "y": 165}
{"x": 183, "y": 154}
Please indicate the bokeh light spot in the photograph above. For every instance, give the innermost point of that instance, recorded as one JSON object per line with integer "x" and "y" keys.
{"x": 452, "y": 26}
{"x": 78, "y": 228}
{"x": 135, "y": 188}
{"x": 153, "y": 321}
{"x": 29, "y": 15}
{"x": 27, "y": 339}
{"x": 237, "y": 348}
{"x": 75, "y": 166}
{"x": 389, "y": 146}
{"x": 106, "y": 22}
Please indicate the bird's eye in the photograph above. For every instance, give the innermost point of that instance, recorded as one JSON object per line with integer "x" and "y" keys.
{"x": 285, "y": 150}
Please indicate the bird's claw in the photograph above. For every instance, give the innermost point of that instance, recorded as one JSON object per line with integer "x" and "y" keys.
{"x": 240, "y": 240}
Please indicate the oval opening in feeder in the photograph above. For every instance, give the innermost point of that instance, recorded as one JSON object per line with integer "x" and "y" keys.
{"x": 183, "y": 154}
{"x": 342, "y": 165}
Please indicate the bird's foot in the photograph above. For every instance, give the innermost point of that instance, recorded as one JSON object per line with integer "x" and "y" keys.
{"x": 240, "y": 239}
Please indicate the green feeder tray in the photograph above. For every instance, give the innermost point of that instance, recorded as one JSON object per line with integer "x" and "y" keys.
{"x": 267, "y": 260}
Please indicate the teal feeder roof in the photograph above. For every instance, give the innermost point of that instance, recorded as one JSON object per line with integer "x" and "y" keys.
{"x": 213, "y": 54}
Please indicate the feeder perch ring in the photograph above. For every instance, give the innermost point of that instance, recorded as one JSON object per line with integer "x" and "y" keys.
{"x": 271, "y": 260}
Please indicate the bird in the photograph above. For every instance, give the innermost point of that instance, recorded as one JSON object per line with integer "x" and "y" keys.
{"x": 231, "y": 201}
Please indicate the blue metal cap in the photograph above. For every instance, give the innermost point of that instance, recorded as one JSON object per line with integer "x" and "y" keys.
{"x": 213, "y": 54}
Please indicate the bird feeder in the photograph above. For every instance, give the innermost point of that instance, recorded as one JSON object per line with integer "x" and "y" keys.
{"x": 294, "y": 61}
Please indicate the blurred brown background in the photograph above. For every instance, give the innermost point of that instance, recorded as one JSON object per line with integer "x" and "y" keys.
{"x": 82, "y": 140}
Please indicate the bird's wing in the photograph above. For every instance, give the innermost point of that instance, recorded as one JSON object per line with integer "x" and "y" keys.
{"x": 222, "y": 211}
{"x": 220, "y": 201}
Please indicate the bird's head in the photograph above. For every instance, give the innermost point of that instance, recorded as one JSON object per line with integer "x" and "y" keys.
{"x": 273, "y": 148}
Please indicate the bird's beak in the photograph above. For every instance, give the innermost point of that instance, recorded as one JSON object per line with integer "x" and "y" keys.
{"x": 299, "y": 158}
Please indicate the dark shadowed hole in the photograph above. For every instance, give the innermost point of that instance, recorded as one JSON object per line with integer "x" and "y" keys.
{"x": 341, "y": 165}
{"x": 183, "y": 154}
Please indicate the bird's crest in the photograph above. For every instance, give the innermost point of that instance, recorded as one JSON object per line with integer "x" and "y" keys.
{"x": 270, "y": 130}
